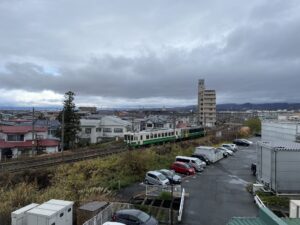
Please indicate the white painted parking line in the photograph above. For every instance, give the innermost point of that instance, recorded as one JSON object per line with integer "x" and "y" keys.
{"x": 186, "y": 181}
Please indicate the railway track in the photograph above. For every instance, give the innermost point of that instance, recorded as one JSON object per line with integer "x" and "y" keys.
{"x": 40, "y": 162}
{"x": 67, "y": 157}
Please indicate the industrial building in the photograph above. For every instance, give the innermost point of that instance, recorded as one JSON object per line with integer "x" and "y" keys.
{"x": 277, "y": 130}
{"x": 278, "y": 166}
{"x": 206, "y": 105}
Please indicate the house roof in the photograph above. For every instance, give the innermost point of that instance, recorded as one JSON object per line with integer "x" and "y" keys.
{"x": 281, "y": 145}
{"x": 21, "y": 129}
{"x": 28, "y": 143}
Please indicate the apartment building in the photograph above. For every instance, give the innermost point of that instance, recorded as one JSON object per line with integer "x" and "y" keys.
{"x": 206, "y": 105}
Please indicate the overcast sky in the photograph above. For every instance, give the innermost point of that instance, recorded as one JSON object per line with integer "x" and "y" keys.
{"x": 148, "y": 53}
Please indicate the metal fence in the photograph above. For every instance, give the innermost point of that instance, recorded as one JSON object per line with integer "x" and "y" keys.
{"x": 106, "y": 214}
{"x": 156, "y": 190}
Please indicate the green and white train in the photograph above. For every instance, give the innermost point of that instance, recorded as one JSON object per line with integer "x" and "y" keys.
{"x": 143, "y": 138}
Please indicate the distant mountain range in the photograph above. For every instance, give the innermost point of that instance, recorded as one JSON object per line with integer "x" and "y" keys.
{"x": 191, "y": 108}
{"x": 246, "y": 106}
{"x": 263, "y": 106}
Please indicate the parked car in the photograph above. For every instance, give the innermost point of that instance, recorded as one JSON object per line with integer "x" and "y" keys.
{"x": 247, "y": 141}
{"x": 196, "y": 163}
{"x": 202, "y": 158}
{"x": 226, "y": 150}
{"x": 231, "y": 147}
{"x": 184, "y": 168}
{"x": 157, "y": 178}
{"x": 133, "y": 217}
{"x": 241, "y": 142}
{"x": 171, "y": 175}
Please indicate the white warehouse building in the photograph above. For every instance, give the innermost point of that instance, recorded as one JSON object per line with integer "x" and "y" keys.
{"x": 275, "y": 130}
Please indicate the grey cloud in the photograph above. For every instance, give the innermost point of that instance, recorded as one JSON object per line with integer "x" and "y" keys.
{"x": 141, "y": 50}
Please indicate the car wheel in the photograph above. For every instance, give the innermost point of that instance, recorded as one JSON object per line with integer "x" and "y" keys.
{"x": 146, "y": 182}
{"x": 187, "y": 173}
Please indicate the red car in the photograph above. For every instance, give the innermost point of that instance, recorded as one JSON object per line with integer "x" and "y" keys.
{"x": 181, "y": 167}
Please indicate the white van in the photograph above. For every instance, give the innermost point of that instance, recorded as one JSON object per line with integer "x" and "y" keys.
{"x": 196, "y": 163}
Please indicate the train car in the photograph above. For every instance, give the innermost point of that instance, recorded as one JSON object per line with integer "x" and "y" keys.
{"x": 143, "y": 138}
{"x": 192, "y": 132}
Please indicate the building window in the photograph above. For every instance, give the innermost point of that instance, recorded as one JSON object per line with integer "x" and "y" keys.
{"x": 118, "y": 130}
{"x": 12, "y": 137}
{"x": 98, "y": 129}
{"x": 88, "y": 130}
{"x": 107, "y": 130}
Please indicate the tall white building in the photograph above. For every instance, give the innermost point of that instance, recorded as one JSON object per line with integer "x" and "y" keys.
{"x": 206, "y": 105}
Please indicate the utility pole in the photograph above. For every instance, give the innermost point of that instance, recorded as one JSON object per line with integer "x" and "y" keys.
{"x": 62, "y": 131}
{"x": 33, "y": 133}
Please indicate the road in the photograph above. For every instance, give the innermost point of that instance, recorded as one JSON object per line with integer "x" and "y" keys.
{"x": 219, "y": 193}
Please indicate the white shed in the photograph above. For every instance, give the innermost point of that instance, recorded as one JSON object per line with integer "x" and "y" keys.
{"x": 278, "y": 166}
{"x": 213, "y": 154}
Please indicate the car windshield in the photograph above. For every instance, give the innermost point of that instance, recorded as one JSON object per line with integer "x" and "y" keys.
{"x": 168, "y": 173}
{"x": 143, "y": 217}
{"x": 198, "y": 161}
{"x": 161, "y": 177}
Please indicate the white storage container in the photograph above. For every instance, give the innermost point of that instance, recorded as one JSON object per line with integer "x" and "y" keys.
{"x": 294, "y": 208}
{"x": 40, "y": 216}
{"x": 18, "y": 217}
{"x": 53, "y": 212}
{"x": 67, "y": 210}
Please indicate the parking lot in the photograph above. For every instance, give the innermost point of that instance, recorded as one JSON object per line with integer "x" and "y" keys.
{"x": 219, "y": 193}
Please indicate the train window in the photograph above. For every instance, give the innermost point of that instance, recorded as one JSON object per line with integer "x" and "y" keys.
{"x": 151, "y": 136}
{"x": 172, "y": 133}
{"x": 155, "y": 135}
{"x": 163, "y": 134}
{"x": 147, "y": 137}
{"x": 141, "y": 137}
{"x": 159, "y": 135}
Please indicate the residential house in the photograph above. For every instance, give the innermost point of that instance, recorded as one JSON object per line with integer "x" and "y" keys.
{"x": 94, "y": 130}
{"x": 18, "y": 140}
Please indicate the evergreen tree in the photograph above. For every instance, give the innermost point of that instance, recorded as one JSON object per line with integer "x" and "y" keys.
{"x": 71, "y": 121}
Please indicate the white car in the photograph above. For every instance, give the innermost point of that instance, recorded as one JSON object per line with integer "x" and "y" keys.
{"x": 231, "y": 147}
{"x": 247, "y": 141}
{"x": 226, "y": 150}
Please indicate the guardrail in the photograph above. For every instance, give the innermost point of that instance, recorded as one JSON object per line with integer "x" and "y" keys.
{"x": 156, "y": 190}
{"x": 181, "y": 205}
{"x": 258, "y": 201}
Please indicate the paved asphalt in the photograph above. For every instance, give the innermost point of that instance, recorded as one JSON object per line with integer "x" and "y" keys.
{"x": 219, "y": 193}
